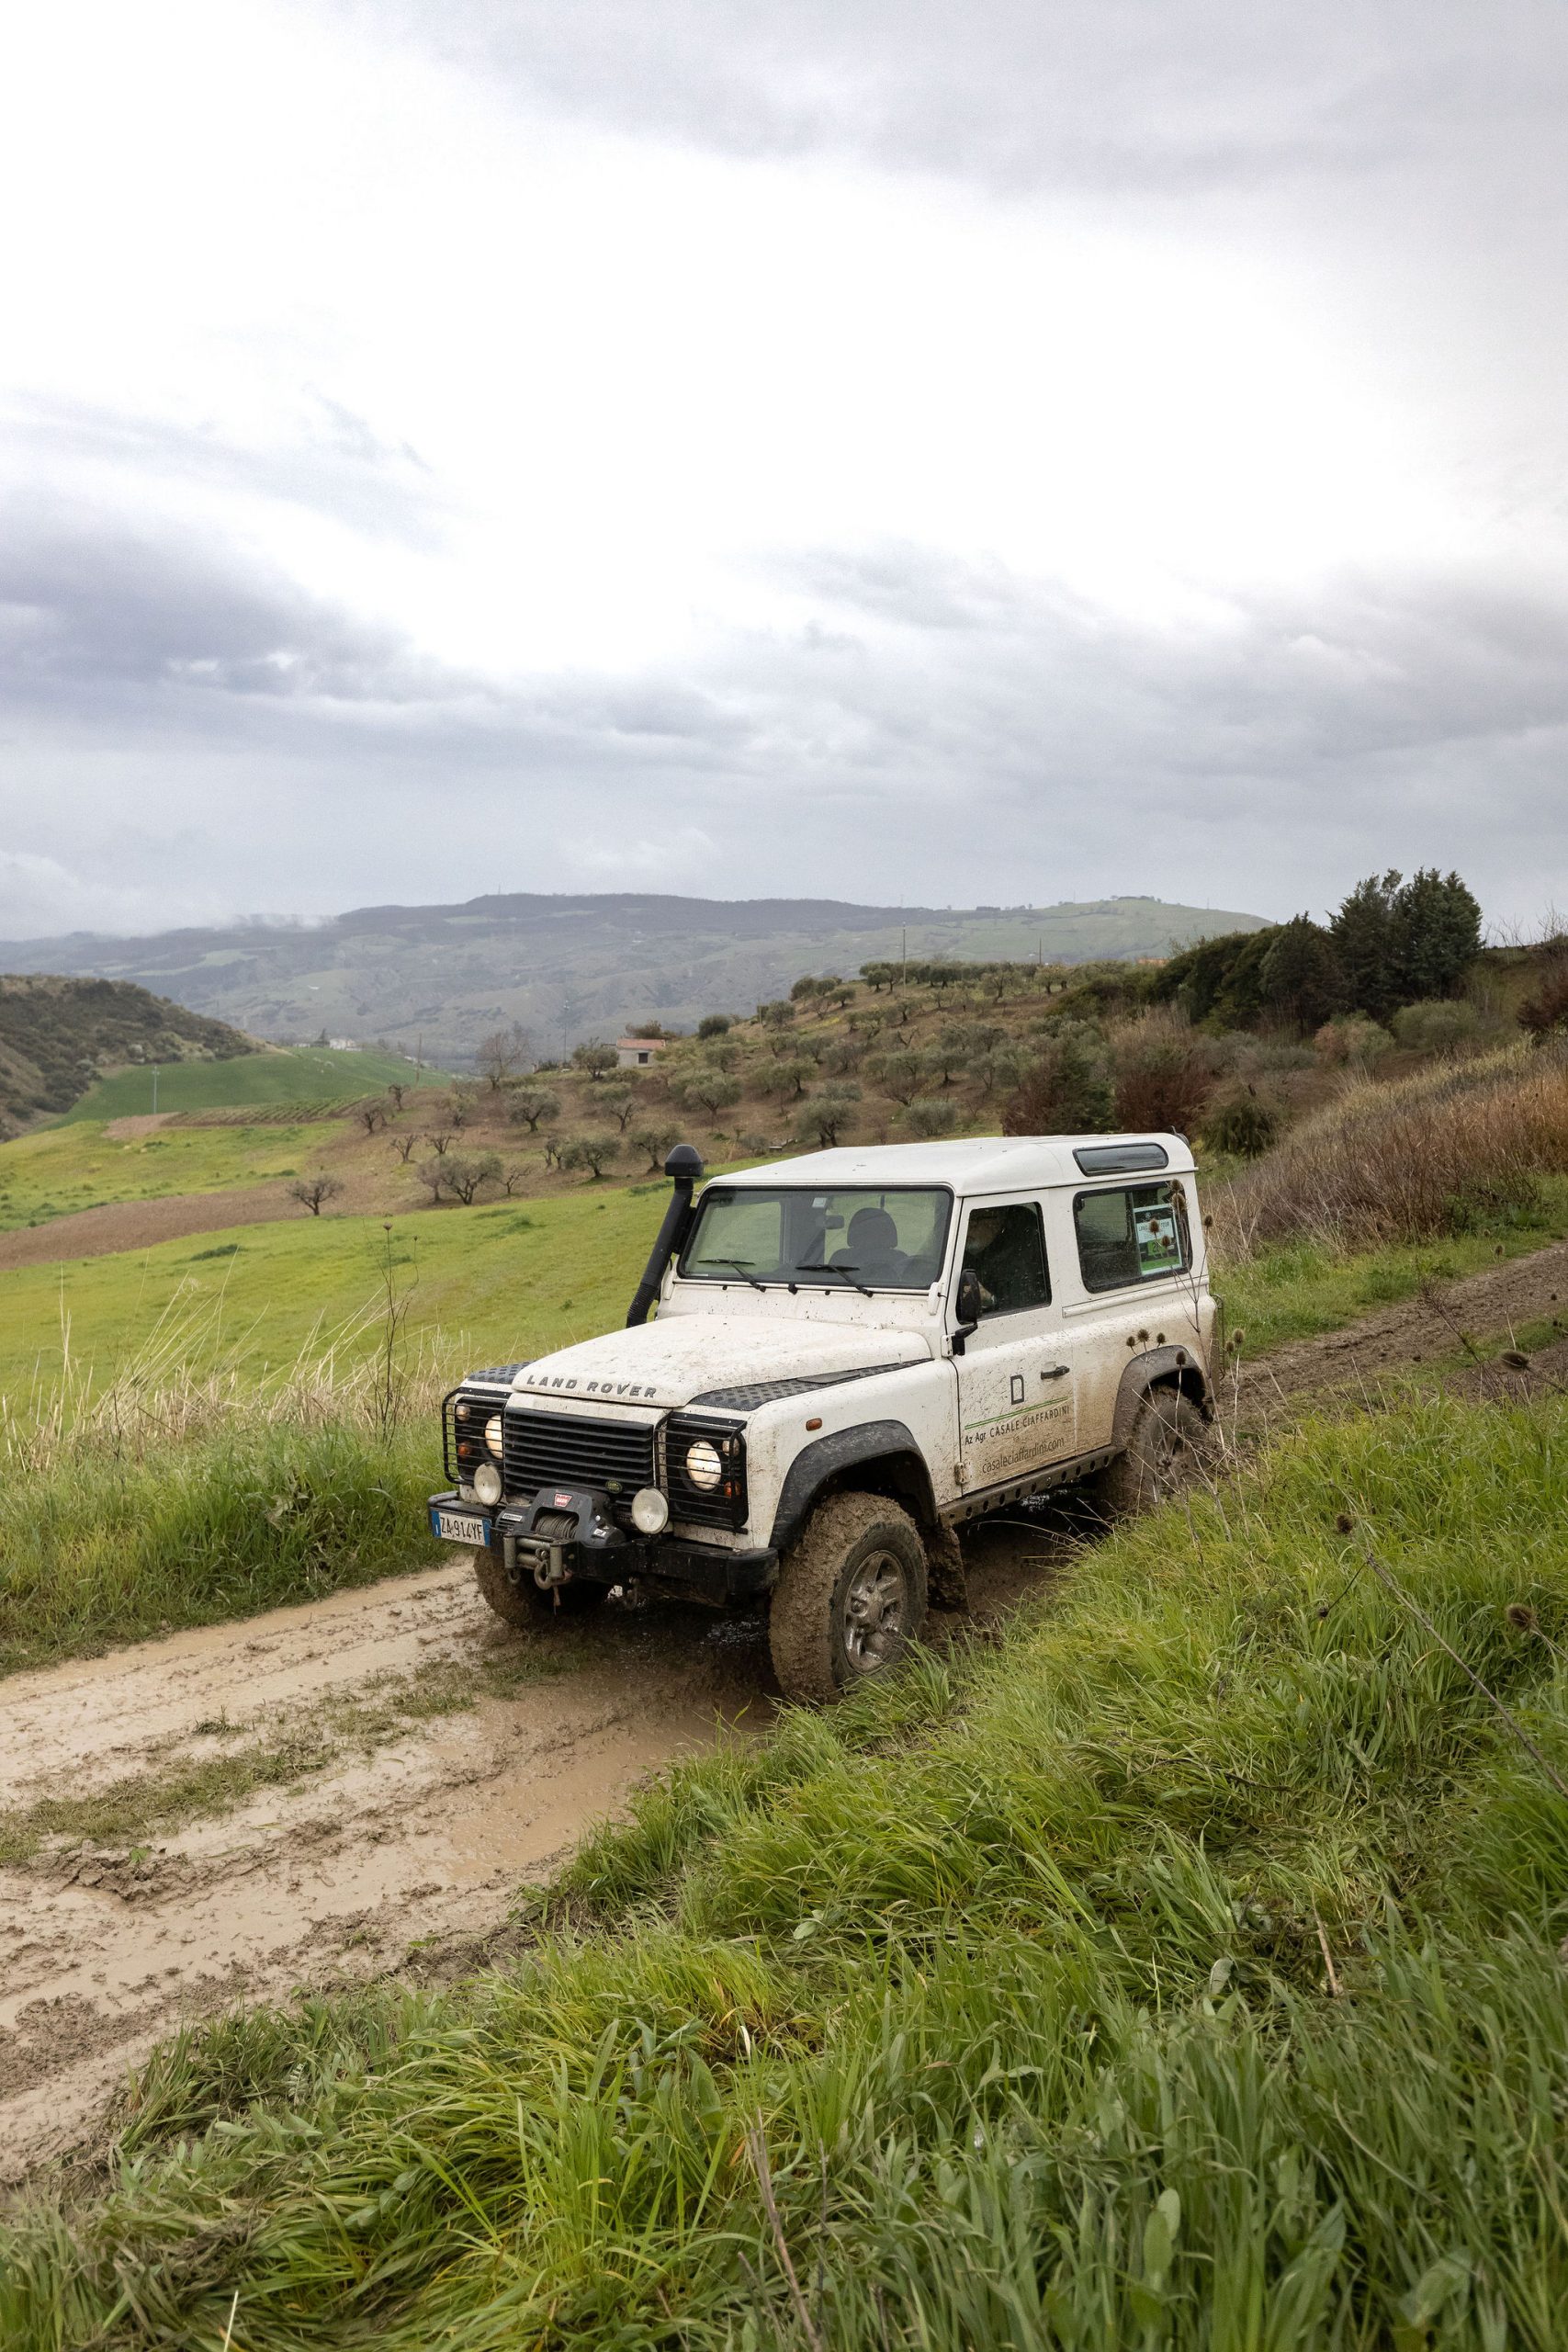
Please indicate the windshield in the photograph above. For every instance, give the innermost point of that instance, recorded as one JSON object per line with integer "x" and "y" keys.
{"x": 862, "y": 1238}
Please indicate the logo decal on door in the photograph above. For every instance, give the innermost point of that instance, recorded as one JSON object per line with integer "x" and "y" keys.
{"x": 1017, "y": 1389}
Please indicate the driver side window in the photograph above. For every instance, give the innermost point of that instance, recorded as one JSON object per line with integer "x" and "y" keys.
{"x": 1004, "y": 1249}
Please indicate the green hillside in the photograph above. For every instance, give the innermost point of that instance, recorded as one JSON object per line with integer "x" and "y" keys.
{"x": 57, "y": 1035}
{"x": 287, "y": 1074}
{"x": 436, "y": 979}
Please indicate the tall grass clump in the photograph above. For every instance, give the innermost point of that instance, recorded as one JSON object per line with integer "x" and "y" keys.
{"x": 1181, "y": 1970}
{"x": 1440, "y": 1152}
{"x": 182, "y": 1492}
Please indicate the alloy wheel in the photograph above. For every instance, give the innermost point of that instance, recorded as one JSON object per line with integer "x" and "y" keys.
{"x": 875, "y": 1599}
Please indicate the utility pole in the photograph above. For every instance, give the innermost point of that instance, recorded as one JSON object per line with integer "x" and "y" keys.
{"x": 904, "y": 936}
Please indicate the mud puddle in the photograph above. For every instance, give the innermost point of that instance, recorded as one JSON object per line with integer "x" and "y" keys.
{"x": 390, "y": 1840}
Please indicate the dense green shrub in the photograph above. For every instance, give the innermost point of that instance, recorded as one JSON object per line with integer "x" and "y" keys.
{"x": 1242, "y": 1122}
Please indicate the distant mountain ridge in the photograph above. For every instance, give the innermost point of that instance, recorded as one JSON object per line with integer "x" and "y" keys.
{"x": 58, "y": 1034}
{"x": 570, "y": 967}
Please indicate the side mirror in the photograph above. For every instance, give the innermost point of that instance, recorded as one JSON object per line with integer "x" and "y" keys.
{"x": 970, "y": 1303}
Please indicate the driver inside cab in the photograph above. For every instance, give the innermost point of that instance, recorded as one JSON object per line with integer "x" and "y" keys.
{"x": 1003, "y": 1249}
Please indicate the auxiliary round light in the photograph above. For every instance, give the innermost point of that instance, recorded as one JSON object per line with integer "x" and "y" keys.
{"x": 703, "y": 1467}
{"x": 492, "y": 1434}
{"x": 487, "y": 1483}
{"x": 650, "y": 1511}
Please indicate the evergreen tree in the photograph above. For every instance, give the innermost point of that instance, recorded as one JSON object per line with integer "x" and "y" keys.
{"x": 1436, "y": 935}
{"x": 1363, "y": 936}
{"x": 1301, "y": 978}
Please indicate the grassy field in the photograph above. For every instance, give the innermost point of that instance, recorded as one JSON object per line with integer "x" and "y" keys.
{"x": 516, "y": 1277}
{"x": 1181, "y": 1970}
{"x": 55, "y": 1170}
{"x": 509, "y": 1280}
{"x": 283, "y": 1074}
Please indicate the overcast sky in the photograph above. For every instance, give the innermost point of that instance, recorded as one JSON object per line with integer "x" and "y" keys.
{"x": 948, "y": 449}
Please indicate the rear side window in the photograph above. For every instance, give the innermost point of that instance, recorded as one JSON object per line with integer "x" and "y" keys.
{"x": 1135, "y": 1234}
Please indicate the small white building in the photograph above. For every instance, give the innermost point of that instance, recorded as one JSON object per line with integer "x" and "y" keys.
{"x": 636, "y": 1053}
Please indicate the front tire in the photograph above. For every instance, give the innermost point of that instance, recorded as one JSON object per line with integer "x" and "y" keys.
{"x": 851, "y": 1597}
{"x": 1168, "y": 1441}
{"x": 520, "y": 1602}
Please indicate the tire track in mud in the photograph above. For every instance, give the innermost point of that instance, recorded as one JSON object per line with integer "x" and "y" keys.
{"x": 413, "y": 1844}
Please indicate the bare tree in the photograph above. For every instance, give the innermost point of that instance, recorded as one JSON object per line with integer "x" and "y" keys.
{"x": 403, "y": 1146}
{"x": 512, "y": 1175}
{"x": 311, "y": 1191}
{"x": 439, "y": 1140}
{"x": 371, "y": 1116}
{"x": 504, "y": 1054}
{"x": 465, "y": 1178}
{"x": 397, "y": 1091}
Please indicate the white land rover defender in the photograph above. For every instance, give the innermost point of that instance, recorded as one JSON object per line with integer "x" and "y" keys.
{"x": 855, "y": 1352}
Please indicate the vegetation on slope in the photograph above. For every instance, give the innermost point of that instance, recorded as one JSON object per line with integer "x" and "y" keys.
{"x": 56, "y": 1035}
{"x": 279, "y": 1075}
{"x": 435, "y": 978}
{"x": 1183, "y": 1971}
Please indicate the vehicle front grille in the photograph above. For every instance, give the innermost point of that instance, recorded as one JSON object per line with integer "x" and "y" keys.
{"x": 577, "y": 1450}
{"x": 721, "y": 1506}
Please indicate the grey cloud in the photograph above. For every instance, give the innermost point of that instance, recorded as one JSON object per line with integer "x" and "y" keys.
{"x": 1139, "y": 95}
{"x": 87, "y": 606}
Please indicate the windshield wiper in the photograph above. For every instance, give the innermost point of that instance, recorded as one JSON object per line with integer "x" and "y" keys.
{"x": 848, "y": 1272}
{"x": 744, "y": 1273}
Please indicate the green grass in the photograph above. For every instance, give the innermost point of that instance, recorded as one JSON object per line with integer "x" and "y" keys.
{"x": 99, "y": 1546}
{"x": 1301, "y": 1289}
{"x": 282, "y": 1074}
{"x": 55, "y": 1170}
{"x": 1181, "y": 1971}
{"x": 500, "y": 1282}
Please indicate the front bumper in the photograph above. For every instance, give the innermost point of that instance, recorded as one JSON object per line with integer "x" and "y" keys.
{"x": 673, "y": 1564}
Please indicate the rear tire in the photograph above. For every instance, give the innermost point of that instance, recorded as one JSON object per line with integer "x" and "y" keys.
{"x": 1168, "y": 1441}
{"x": 851, "y": 1597}
{"x": 521, "y": 1601}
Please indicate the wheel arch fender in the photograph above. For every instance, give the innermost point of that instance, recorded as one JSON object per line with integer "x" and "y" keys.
{"x": 884, "y": 1458}
{"x": 1176, "y": 1367}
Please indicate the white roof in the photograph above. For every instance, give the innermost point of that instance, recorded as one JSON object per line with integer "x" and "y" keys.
{"x": 968, "y": 1164}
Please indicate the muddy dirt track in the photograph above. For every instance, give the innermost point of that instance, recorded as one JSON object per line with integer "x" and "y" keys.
{"x": 400, "y": 1851}
{"x": 359, "y": 1787}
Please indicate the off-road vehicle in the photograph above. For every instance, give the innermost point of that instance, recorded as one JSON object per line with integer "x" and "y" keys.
{"x": 855, "y": 1354}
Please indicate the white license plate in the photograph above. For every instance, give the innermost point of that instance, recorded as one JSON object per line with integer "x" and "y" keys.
{"x": 460, "y": 1527}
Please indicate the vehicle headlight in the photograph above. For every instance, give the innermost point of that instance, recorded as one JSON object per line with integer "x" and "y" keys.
{"x": 650, "y": 1511}
{"x": 492, "y": 1434}
{"x": 487, "y": 1483}
{"x": 703, "y": 1467}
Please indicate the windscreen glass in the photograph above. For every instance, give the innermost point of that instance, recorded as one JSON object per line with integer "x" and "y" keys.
{"x": 866, "y": 1236}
